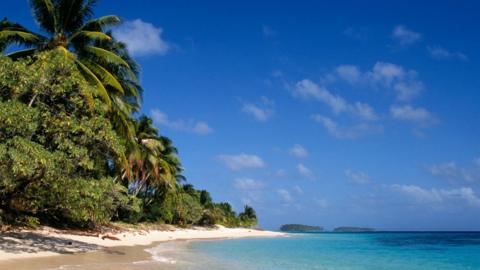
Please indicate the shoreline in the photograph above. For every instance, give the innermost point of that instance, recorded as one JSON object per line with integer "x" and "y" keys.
{"x": 47, "y": 242}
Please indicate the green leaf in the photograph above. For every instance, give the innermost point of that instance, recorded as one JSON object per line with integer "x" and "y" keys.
{"x": 93, "y": 35}
{"x": 90, "y": 76}
{"x": 99, "y": 23}
{"x": 104, "y": 74}
{"x": 18, "y": 36}
{"x": 106, "y": 56}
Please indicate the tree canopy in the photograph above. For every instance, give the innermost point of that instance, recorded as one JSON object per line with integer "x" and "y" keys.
{"x": 73, "y": 151}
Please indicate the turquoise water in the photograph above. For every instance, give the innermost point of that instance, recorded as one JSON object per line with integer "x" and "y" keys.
{"x": 341, "y": 251}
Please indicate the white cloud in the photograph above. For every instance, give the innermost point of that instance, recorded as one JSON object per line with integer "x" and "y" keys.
{"x": 306, "y": 89}
{"x": 438, "y": 196}
{"x": 408, "y": 90}
{"x": 202, "y": 128}
{"x": 241, "y": 161}
{"x": 386, "y": 75}
{"x": 357, "y": 177}
{"x": 248, "y": 184}
{"x": 440, "y": 53}
{"x": 262, "y": 111}
{"x": 403, "y": 82}
{"x": 285, "y": 196}
{"x": 198, "y": 127}
{"x": 405, "y": 36}
{"x": 364, "y": 111}
{"x": 305, "y": 171}
{"x": 349, "y": 73}
{"x": 299, "y": 151}
{"x": 250, "y": 189}
{"x": 451, "y": 171}
{"x": 409, "y": 113}
{"x": 351, "y": 132}
{"x": 142, "y": 38}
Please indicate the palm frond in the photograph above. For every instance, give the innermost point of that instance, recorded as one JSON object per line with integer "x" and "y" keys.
{"x": 45, "y": 15}
{"x": 100, "y": 23}
{"x": 106, "y": 56}
{"x": 18, "y": 37}
{"x": 72, "y": 14}
{"x": 106, "y": 77}
{"x": 14, "y": 33}
{"x": 21, "y": 54}
{"x": 89, "y": 35}
{"x": 93, "y": 79}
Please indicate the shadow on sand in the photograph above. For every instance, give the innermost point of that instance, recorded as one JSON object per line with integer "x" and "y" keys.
{"x": 28, "y": 242}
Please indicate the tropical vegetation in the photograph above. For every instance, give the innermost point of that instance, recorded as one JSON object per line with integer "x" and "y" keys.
{"x": 300, "y": 228}
{"x": 74, "y": 148}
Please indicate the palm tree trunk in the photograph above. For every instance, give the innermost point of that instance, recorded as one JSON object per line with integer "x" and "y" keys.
{"x": 32, "y": 100}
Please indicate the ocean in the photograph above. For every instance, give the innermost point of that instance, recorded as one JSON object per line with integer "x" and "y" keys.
{"x": 330, "y": 251}
{"x": 314, "y": 251}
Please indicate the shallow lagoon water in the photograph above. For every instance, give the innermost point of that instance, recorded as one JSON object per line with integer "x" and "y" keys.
{"x": 316, "y": 251}
{"x": 347, "y": 251}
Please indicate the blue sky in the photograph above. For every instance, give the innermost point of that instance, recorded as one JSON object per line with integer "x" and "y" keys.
{"x": 329, "y": 114}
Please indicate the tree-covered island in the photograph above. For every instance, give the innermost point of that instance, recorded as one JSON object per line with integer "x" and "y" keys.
{"x": 300, "y": 228}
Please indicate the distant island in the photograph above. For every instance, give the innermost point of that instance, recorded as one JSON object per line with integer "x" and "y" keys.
{"x": 353, "y": 229}
{"x": 300, "y": 228}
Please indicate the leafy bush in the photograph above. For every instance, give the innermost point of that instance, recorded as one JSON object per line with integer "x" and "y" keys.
{"x": 55, "y": 146}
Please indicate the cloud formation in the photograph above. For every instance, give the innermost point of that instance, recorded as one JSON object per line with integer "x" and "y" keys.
{"x": 346, "y": 132}
{"x": 142, "y": 38}
{"x": 438, "y": 196}
{"x": 285, "y": 196}
{"x": 408, "y": 113}
{"x": 250, "y": 189}
{"x": 241, "y": 161}
{"x": 403, "y": 82}
{"x": 262, "y": 111}
{"x": 451, "y": 171}
{"x": 248, "y": 184}
{"x": 299, "y": 151}
{"x": 308, "y": 90}
{"x": 440, "y": 53}
{"x": 357, "y": 177}
{"x": 197, "y": 127}
{"x": 305, "y": 171}
{"x": 405, "y": 36}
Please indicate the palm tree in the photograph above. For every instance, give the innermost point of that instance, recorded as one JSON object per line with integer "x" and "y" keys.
{"x": 153, "y": 159}
{"x": 70, "y": 30}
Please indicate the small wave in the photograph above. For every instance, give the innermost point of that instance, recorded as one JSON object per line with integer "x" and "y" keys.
{"x": 158, "y": 253}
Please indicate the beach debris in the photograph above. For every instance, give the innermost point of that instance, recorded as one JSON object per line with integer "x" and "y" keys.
{"x": 110, "y": 237}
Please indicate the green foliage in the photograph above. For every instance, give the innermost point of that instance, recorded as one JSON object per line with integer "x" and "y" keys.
{"x": 55, "y": 149}
{"x": 177, "y": 207}
{"x": 248, "y": 217}
{"x": 71, "y": 151}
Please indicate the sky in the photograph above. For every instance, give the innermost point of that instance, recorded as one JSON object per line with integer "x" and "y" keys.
{"x": 331, "y": 114}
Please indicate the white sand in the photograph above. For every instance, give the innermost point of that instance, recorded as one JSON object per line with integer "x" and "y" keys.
{"x": 48, "y": 242}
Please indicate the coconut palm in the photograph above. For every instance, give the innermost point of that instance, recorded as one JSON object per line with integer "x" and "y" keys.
{"x": 70, "y": 30}
{"x": 153, "y": 159}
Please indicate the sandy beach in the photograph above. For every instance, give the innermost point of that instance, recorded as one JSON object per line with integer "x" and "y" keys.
{"x": 45, "y": 242}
